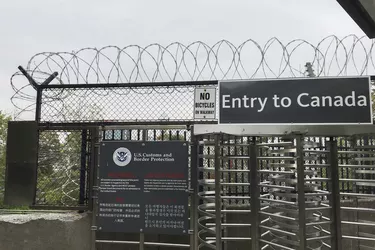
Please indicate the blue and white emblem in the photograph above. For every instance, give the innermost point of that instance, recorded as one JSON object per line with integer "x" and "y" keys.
{"x": 122, "y": 157}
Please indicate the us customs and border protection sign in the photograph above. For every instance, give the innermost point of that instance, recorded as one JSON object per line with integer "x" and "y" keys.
{"x": 205, "y": 103}
{"x": 143, "y": 187}
{"x": 340, "y": 100}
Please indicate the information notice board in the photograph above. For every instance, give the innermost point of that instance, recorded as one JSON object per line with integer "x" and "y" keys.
{"x": 143, "y": 187}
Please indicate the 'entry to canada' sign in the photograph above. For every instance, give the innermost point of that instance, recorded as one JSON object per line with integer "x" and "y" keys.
{"x": 296, "y": 101}
{"x": 143, "y": 187}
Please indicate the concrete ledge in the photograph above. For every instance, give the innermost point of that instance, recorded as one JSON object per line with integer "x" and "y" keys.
{"x": 47, "y": 231}
{"x": 66, "y": 231}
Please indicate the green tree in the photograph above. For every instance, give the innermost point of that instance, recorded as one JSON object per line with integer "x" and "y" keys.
{"x": 4, "y": 119}
{"x": 49, "y": 152}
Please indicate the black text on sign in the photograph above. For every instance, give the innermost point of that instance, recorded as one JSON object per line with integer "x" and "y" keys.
{"x": 205, "y": 103}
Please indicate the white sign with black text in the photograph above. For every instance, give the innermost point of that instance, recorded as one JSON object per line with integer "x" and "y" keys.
{"x": 205, "y": 103}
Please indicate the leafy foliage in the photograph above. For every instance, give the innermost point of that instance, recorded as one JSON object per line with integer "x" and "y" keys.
{"x": 4, "y": 119}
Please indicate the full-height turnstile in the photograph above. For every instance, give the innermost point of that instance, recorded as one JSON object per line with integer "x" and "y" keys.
{"x": 282, "y": 187}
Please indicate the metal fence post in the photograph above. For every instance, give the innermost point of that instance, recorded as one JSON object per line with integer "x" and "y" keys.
{"x": 334, "y": 200}
{"x": 217, "y": 194}
{"x": 92, "y": 167}
{"x": 39, "y": 93}
{"x": 38, "y": 111}
{"x": 301, "y": 192}
{"x": 142, "y": 234}
{"x": 194, "y": 194}
{"x": 95, "y": 189}
{"x": 254, "y": 195}
{"x": 82, "y": 177}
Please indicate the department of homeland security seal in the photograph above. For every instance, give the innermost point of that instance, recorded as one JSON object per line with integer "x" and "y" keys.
{"x": 122, "y": 157}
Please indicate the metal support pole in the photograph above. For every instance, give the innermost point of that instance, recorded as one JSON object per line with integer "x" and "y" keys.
{"x": 301, "y": 193}
{"x": 92, "y": 177}
{"x": 82, "y": 177}
{"x": 38, "y": 108}
{"x": 194, "y": 193}
{"x": 94, "y": 191}
{"x": 142, "y": 234}
{"x": 217, "y": 194}
{"x": 334, "y": 200}
{"x": 145, "y": 135}
{"x": 37, "y": 120}
{"x": 224, "y": 218}
{"x": 200, "y": 173}
{"x": 355, "y": 188}
{"x": 141, "y": 241}
{"x": 254, "y": 196}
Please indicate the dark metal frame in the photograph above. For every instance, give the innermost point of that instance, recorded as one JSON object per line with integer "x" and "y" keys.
{"x": 254, "y": 194}
{"x": 358, "y": 13}
{"x": 334, "y": 189}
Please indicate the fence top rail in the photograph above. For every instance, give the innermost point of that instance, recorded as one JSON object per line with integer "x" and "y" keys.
{"x": 129, "y": 85}
{"x": 144, "y": 127}
{"x": 274, "y": 130}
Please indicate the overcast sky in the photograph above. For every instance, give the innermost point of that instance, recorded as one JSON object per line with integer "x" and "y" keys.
{"x": 30, "y": 27}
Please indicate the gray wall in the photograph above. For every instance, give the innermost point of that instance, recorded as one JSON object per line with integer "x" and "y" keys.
{"x": 16, "y": 233}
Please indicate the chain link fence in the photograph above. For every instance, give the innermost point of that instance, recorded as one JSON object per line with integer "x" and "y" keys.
{"x": 119, "y": 104}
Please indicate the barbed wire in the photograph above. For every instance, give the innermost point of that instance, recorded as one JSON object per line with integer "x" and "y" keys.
{"x": 332, "y": 56}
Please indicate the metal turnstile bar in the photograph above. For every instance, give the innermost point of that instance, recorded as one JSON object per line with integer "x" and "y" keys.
{"x": 145, "y": 243}
{"x": 276, "y": 186}
{"x": 358, "y": 223}
{"x": 319, "y": 223}
{"x": 358, "y": 180}
{"x": 230, "y": 225}
{"x": 358, "y": 195}
{"x": 359, "y": 209}
{"x": 355, "y": 166}
{"x": 278, "y": 216}
{"x": 357, "y": 238}
{"x": 231, "y": 211}
{"x": 319, "y": 238}
{"x": 278, "y": 230}
{"x": 275, "y": 244}
{"x": 230, "y": 238}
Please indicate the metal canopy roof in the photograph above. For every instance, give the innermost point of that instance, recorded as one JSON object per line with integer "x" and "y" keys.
{"x": 363, "y": 13}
